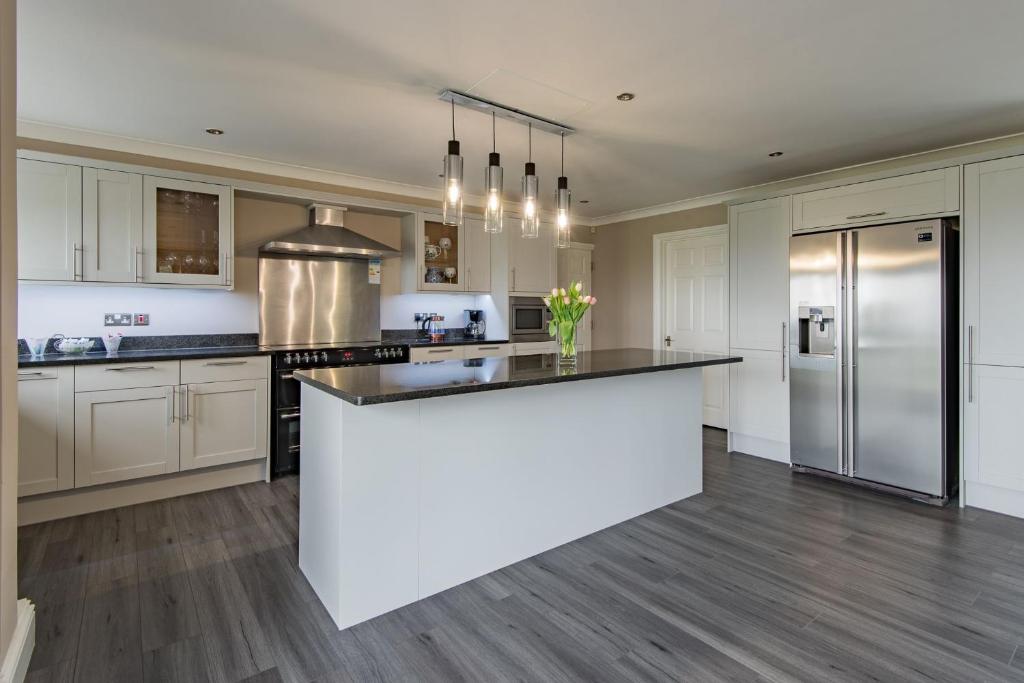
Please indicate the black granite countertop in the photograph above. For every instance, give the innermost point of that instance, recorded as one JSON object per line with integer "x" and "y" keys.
{"x": 137, "y": 355}
{"x": 375, "y": 384}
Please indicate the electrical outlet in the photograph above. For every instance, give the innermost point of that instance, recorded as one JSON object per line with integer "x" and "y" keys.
{"x": 140, "y": 319}
{"x": 117, "y": 319}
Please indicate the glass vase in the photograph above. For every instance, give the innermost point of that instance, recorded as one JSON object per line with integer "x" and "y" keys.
{"x": 567, "y": 344}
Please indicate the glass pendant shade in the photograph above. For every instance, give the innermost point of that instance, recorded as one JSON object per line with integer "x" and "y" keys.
{"x": 494, "y": 209}
{"x": 451, "y": 207}
{"x": 563, "y": 219}
{"x": 531, "y": 202}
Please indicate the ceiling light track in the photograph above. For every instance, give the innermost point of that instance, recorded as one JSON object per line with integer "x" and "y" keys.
{"x": 510, "y": 113}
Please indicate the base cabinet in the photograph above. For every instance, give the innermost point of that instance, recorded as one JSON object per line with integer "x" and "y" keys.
{"x": 759, "y": 404}
{"x": 46, "y": 430}
{"x": 993, "y": 415}
{"x": 224, "y": 422}
{"x": 125, "y": 434}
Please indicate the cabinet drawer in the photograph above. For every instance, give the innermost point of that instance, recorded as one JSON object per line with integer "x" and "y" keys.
{"x": 427, "y": 354}
{"x": 223, "y": 369}
{"x": 906, "y": 196}
{"x": 126, "y": 375}
{"x": 527, "y": 348}
{"x": 486, "y": 350}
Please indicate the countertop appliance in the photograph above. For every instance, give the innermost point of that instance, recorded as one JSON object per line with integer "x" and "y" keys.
{"x": 476, "y": 326}
{"x": 530, "y": 318}
{"x": 285, "y": 393}
{"x": 873, "y": 350}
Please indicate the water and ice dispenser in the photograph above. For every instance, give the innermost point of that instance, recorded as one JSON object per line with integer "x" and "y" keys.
{"x": 817, "y": 330}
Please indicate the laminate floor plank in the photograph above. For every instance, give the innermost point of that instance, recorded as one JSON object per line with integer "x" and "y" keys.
{"x": 767, "y": 575}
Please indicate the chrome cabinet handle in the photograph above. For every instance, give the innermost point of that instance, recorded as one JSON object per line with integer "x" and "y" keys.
{"x": 487, "y": 348}
{"x": 170, "y": 405}
{"x": 440, "y": 350}
{"x": 290, "y": 375}
{"x": 38, "y": 374}
{"x": 783, "y": 352}
{"x": 228, "y": 280}
{"x": 131, "y": 368}
{"x": 225, "y": 363}
{"x": 185, "y": 412}
{"x": 290, "y": 416}
{"x": 138, "y": 264}
{"x": 866, "y": 215}
{"x": 970, "y": 363}
{"x": 513, "y": 279}
{"x": 78, "y": 258}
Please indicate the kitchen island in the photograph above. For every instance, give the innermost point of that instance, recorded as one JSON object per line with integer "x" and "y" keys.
{"x": 418, "y": 477}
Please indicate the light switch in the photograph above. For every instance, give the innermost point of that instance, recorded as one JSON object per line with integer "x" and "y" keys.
{"x": 140, "y": 319}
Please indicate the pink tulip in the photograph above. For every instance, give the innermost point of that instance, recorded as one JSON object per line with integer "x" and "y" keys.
{"x": 565, "y": 299}
{"x": 554, "y": 291}
{"x": 593, "y": 300}
{"x": 589, "y": 299}
{"x": 547, "y": 301}
{"x": 562, "y": 292}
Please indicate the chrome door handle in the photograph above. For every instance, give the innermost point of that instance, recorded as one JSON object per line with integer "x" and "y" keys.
{"x": 290, "y": 416}
{"x": 513, "y": 279}
{"x": 225, "y": 363}
{"x": 228, "y": 280}
{"x": 487, "y": 348}
{"x": 440, "y": 350}
{"x": 131, "y": 368}
{"x": 171, "y": 408}
{"x": 290, "y": 375}
{"x": 783, "y": 352}
{"x": 78, "y": 258}
{"x": 138, "y": 264}
{"x": 866, "y": 215}
{"x": 668, "y": 341}
{"x": 186, "y": 413}
{"x": 970, "y": 363}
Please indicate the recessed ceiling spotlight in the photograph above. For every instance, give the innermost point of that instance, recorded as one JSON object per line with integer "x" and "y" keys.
{"x": 775, "y": 154}
{"x": 215, "y": 131}
{"x": 584, "y": 201}
{"x": 625, "y": 97}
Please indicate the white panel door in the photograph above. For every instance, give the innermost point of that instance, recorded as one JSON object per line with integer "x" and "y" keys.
{"x": 46, "y": 430}
{"x": 532, "y": 261}
{"x": 111, "y": 225}
{"x": 993, "y": 246}
{"x": 759, "y": 393}
{"x": 478, "y": 256}
{"x": 49, "y": 221}
{"x": 759, "y": 272}
{"x": 223, "y": 422}
{"x": 994, "y": 427}
{"x": 574, "y": 266}
{"x": 694, "y": 300}
{"x": 125, "y": 434}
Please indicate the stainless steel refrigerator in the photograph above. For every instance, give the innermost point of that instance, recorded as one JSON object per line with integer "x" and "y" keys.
{"x": 873, "y": 353}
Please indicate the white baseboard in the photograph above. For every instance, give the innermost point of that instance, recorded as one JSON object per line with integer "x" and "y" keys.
{"x": 761, "y": 448}
{"x": 994, "y": 498}
{"x": 23, "y": 642}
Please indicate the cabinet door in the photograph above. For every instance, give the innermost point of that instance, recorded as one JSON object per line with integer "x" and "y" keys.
{"x": 478, "y": 256}
{"x": 111, "y": 225}
{"x": 759, "y": 273}
{"x": 759, "y": 396}
{"x": 49, "y": 221}
{"x": 187, "y": 236}
{"x": 440, "y": 251}
{"x": 532, "y": 261}
{"x": 125, "y": 434}
{"x": 993, "y": 246}
{"x": 46, "y": 430}
{"x": 993, "y": 432}
{"x": 223, "y": 422}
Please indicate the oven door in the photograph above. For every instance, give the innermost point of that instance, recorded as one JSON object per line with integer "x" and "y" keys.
{"x": 286, "y": 441}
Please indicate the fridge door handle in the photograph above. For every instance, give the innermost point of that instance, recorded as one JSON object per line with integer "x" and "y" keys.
{"x": 851, "y": 369}
{"x": 840, "y": 350}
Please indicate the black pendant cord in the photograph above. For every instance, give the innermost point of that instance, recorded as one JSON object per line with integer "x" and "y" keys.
{"x": 563, "y": 152}
{"x": 494, "y": 137}
{"x": 529, "y": 142}
{"x": 453, "y": 118}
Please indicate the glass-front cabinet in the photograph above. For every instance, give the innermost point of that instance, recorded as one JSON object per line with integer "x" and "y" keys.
{"x": 186, "y": 232}
{"x": 445, "y": 258}
{"x": 441, "y": 257}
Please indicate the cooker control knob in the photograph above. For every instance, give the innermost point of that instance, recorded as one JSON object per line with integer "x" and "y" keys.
{"x": 287, "y": 359}
{"x": 376, "y": 353}
{"x": 323, "y": 356}
{"x": 305, "y": 358}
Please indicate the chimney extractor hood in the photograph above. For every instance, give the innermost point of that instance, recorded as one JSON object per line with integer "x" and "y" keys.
{"x": 326, "y": 235}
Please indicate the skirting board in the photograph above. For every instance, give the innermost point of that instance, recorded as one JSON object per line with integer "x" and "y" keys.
{"x": 761, "y": 448}
{"x": 994, "y": 498}
{"x": 48, "y": 506}
{"x": 23, "y": 642}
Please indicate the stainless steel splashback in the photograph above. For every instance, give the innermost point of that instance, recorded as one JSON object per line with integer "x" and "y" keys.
{"x": 313, "y": 300}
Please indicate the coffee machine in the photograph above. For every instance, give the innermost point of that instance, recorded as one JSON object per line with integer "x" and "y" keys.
{"x": 476, "y": 327}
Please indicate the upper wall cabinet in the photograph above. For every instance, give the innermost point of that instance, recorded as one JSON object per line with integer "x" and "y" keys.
{"x": 759, "y": 274}
{"x": 88, "y": 224}
{"x": 902, "y": 197}
{"x": 49, "y": 221}
{"x": 186, "y": 235}
{"x": 533, "y": 263}
{"x": 445, "y": 258}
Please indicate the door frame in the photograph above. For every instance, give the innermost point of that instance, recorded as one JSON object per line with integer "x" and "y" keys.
{"x": 659, "y": 242}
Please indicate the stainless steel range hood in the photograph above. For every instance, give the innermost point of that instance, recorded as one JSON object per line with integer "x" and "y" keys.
{"x": 326, "y": 235}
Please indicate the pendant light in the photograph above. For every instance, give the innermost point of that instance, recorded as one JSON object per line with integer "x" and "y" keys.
{"x": 451, "y": 207}
{"x": 563, "y": 219}
{"x": 493, "y": 210}
{"x": 531, "y": 200}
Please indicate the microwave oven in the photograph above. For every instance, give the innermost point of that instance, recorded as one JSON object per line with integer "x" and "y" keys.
{"x": 529, "y": 318}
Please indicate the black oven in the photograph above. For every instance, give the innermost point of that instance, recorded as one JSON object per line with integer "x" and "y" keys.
{"x": 530, "y": 317}
{"x": 285, "y": 392}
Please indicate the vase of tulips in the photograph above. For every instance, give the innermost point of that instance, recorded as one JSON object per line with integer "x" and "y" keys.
{"x": 567, "y": 309}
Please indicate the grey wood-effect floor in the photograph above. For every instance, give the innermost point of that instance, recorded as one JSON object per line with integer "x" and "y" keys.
{"x": 765, "y": 576}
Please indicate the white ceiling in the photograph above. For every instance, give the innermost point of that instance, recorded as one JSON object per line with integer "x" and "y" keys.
{"x": 352, "y": 86}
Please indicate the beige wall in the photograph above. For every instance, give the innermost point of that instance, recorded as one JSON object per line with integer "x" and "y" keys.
{"x": 8, "y": 331}
{"x": 624, "y": 272}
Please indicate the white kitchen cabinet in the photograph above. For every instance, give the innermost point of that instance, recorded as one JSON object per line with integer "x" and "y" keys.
{"x": 530, "y": 348}
{"x": 125, "y": 434}
{"x": 993, "y": 250}
{"x": 993, "y": 433}
{"x": 49, "y": 221}
{"x": 532, "y": 262}
{"x": 899, "y": 198}
{"x": 759, "y": 404}
{"x": 759, "y": 273}
{"x": 46, "y": 430}
{"x": 186, "y": 232}
{"x": 111, "y": 225}
{"x": 428, "y": 354}
{"x": 486, "y": 350}
{"x": 478, "y": 256}
{"x": 445, "y": 258}
{"x": 223, "y": 422}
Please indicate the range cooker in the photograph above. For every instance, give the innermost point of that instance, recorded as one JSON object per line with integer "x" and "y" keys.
{"x": 285, "y": 392}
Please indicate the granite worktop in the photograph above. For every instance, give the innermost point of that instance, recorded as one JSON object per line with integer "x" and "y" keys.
{"x": 452, "y": 337}
{"x": 375, "y": 384}
{"x": 155, "y": 348}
